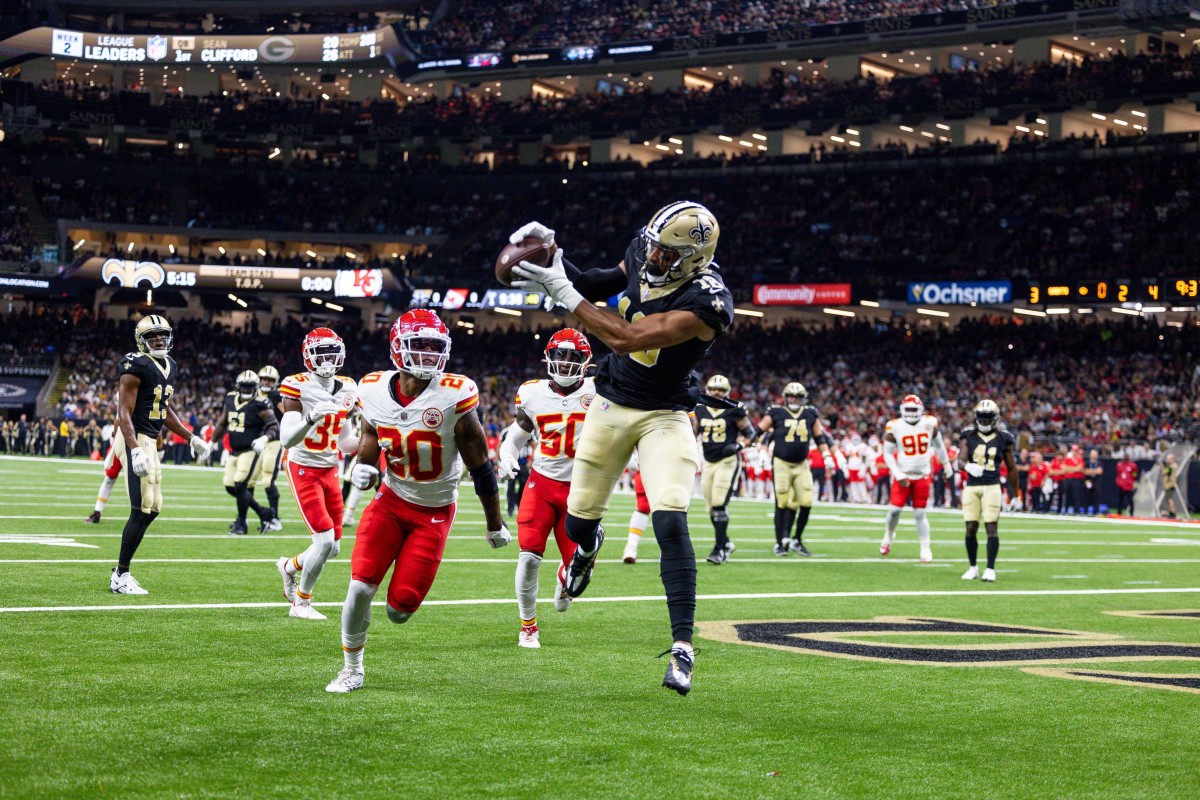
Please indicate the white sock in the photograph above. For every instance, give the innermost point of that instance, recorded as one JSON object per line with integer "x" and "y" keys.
{"x": 893, "y": 517}
{"x": 312, "y": 561}
{"x": 685, "y": 646}
{"x": 356, "y": 618}
{"x": 637, "y": 526}
{"x": 352, "y": 501}
{"x": 922, "y": 526}
{"x": 106, "y": 487}
{"x": 527, "y": 584}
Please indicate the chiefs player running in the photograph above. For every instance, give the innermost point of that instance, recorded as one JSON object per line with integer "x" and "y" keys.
{"x": 908, "y": 444}
{"x": 315, "y": 405}
{"x": 555, "y": 409}
{"x": 423, "y": 420}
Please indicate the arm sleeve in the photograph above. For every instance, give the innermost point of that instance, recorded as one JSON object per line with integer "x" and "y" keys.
{"x": 889, "y": 457}
{"x": 515, "y": 438}
{"x": 939, "y": 447}
{"x": 348, "y": 439}
{"x": 292, "y": 429}
{"x": 596, "y": 284}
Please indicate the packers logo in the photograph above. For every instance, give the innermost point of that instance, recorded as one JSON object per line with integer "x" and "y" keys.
{"x": 701, "y": 233}
{"x": 1037, "y": 649}
{"x": 130, "y": 273}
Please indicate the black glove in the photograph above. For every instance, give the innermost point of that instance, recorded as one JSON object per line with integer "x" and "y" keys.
{"x": 731, "y": 449}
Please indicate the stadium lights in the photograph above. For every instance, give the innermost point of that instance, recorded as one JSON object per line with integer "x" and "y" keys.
{"x": 1138, "y": 113}
{"x": 260, "y": 251}
{"x": 1183, "y": 308}
{"x": 931, "y": 312}
{"x": 334, "y": 306}
{"x": 467, "y": 325}
{"x": 1029, "y": 312}
{"x": 237, "y": 300}
{"x": 852, "y": 144}
{"x": 1153, "y": 309}
{"x": 509, "y": 311}
{"x": 220, "y": 249}
{"x": 725, "y": 138}
{"x": 674, "y": 140}
{"x": 849, "y": 132}
{"x": 906, "y": 129}
{"x": 79, "y": 244}
{"x": 1084, "y": 310}
{"x": 748, "y": 312}
{"x": 1175, "y": 324}
{"x": 1040, "y": 121}
{"x": 868, "y": 303}
{"x": 1100, "y": 117}
{"x": 130, "y": 248}
{"x": 1058, "y": 311}
{"x": 317, "y": 300}
{"x": 1130, "y": 311}
{"x": 837, "y": 139}
{"x": 942, "y": 126}
{"x": 758, "y": 136}
{"x": 837, "y": 312}
{"x": 171, "y": 247}
{"x": 744, "y": 143}
{"x": 310, "y": 254}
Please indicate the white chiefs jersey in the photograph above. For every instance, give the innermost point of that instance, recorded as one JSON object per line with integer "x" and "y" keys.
{"x": 557, "y": 423}
{"x": 913, "y": 443}
{"x": 423, "y": 466}
{"x": 320, "y": 445}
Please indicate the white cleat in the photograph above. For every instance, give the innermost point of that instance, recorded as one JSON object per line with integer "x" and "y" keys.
{"x": 274, "y": 525}
{"x": 348, "y": 518}
{"x": 989, "y": 575}
{"x": 305, "y": 611}
{"x": 289, "y": 580}
{"x": 885, "y": 546}
{"x": 346, "y": 681}
{"x": 562, "y": 601}
{"x": 529, "y": 637}
{"x": 629, "y": 556}
{"x": 971, "y": 574}
{"x": 124, "y": 584}
{"x": 926, "y": 555}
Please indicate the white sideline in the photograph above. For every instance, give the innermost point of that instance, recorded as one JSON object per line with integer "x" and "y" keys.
{"x": 699, "y": 560}
{"x": 636, "y": 599}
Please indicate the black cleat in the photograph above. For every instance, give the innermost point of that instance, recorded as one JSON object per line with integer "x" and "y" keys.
{"x": 93, "y": 518}
{"x": 719, "y": 555}
{"x": 679, "y": 670}
{"x": 799, "y": 549}
{"x": 238, "y": 529}
{"x": 781, "y": 549}
{"x": 579, "y": 571}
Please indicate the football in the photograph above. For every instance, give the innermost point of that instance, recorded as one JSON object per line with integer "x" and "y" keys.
{"x": 530, "y": 249}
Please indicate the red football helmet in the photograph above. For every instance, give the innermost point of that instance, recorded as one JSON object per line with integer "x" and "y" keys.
{"x": 324, "y": 352}
{"x": 567, "y": 355}
{"x": 911, "y": 409}
{"x": 420, "y": 343}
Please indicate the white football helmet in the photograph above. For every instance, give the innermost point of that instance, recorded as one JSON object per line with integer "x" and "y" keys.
{"x": 795, "y": 395}
{"x": 718, "y": 383}
{"x": 911, "y": 409}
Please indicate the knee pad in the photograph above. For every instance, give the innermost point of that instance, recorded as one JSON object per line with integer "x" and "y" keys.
{"x": 720, "y": 514}
{"x": 325, "y": 542}
{"x": 531, "y": 555}
{"x": 918, "y": 514}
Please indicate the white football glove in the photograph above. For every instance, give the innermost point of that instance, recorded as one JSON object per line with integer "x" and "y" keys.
{"x": 949, "y": 471}
{"x": 551, "y": 279}
{"x": 363, "y": 476}
{"x": 535, "y": 230}
{"x": 259, "y": 444}
{"x": 499, "y": 538}
{"x": 139, "y": 462}
{"x": 322, "y": 410}
{"x": 509, "y": 467}
{"x": 974, "y": 470}
{"x": 200, "y": 448}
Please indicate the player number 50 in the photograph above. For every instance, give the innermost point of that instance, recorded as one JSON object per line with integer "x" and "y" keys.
{"x": 554, "y": 442}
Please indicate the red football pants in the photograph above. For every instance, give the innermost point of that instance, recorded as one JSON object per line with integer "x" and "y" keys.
{"x": 544, "y": 509}
{"x": 643, "y": 503}
{"x": 318, "y": 496}
{"x": 918, "y": 490}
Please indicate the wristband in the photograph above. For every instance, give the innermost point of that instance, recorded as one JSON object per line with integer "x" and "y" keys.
{"x": 485, "y": 480}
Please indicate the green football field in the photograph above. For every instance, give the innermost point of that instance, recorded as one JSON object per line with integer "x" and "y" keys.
{"x": 843, "y": 675}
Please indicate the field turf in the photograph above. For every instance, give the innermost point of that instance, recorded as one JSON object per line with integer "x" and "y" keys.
{"x": 205, "y": 688}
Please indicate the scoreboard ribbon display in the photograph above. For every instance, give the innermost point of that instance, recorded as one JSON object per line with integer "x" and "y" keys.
{"x": 1114, "y": 290}
{"x": 152, "y": 275}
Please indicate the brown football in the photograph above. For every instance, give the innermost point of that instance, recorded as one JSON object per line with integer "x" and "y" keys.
{"x": 530, "y": 249}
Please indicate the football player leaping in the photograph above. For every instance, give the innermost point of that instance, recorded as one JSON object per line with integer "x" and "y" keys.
{"x": 555, "y": 409}
{"x": 674, "y": 305}
{"x": 251, "y": 424}
{"x": 908, "y": 444}
{"x": 424, "y": 420}
{"x": 718, "y": 429}
{"x": 315, "y": 405}
{"x": 147, "y": 381}
{"x": 984, "y": 448}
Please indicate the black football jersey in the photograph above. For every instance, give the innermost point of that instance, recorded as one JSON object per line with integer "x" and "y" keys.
{"x": 154, "y": 392}
{"x": 792, "y": 432}
{"x": 718, "y": 428}
{"x": 987, "y": 450}
{"x": 244, "y": 420}
{"x": 274, "y": 399}
{"x": 663, "y": 378}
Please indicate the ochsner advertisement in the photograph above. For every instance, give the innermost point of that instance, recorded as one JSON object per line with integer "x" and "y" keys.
{"x": 960, "y": 292}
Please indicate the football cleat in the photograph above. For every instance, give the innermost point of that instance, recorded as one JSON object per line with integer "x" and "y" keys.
{"x": 729, "y": 548}
{"x": 579, "y": 571}
{"x": 781, "y": 549}
{"x": 289, "y": 581}
{"x": 885, "y": 546}
{"x": 718, "y": 555}
{"x": 630, "y": 554}
{"x": 124, "y": 584}
{"x": 971, "y": 574}
{"x": 529, "y": 637}
{"x": 346, "y": 681}
{"x": 305, "y": 611}
{"x": 679, "y": 670}
{"x": 798, "y": 548}
{"x": 347, "y": 518}
{"x": 238, "y": 529}
{"x": 562, "y": 601}
{"x": 276, "y": 524}
{"x": 93, "y": 518}
{"x": 926, "y": 555}
{"x": 988, "y": 575}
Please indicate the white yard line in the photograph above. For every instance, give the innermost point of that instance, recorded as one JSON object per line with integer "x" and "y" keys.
{"x": 699, "y": 560}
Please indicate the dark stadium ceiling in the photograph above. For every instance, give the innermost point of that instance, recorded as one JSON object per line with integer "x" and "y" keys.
{"x": 238, "y": 7}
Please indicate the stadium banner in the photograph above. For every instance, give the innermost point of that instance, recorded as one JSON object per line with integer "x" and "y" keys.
{"x": 298, "y": 48}
{"x": 801, "y": 294}
{"x": 455, "y": 299}
{"x": 319, "y": 282}
{"x": 20, "y": 392}
{"x": 940, "y": 293}
{"x": 21, "y": 283}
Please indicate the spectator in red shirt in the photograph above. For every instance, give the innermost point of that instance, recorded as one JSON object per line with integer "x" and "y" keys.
{"x": 1038, "y": 472}
{"x": 1073, "y": 501}
{"x": 1055, "y": 501}
{"x": 1127, "y": 475}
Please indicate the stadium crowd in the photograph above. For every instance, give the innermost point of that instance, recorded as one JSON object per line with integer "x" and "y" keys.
{"x": 16, "y": 238}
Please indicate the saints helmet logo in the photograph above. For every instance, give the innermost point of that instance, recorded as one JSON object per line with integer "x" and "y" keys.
{"x": 701, "y": 233}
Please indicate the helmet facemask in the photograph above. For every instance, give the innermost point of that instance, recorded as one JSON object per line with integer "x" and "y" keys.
{"x": 911, "y": 413}
{"x": 246, "y": 389}
{"x": 325, "y": 357}
{"x": 985, "y": 421}
{"x": 566, "y": 365}
{"x": 664, "y": 263}
{"x": 423, "y": 353}
{"x": 156, "y": 342}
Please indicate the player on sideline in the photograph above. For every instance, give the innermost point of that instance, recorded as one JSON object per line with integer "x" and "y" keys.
{"x": 315, "y": 405}
{"x": 251, "y": 424}
{"x": 641, "y": 512}
{"x": 674, "y": 306}
{"x": 272, "y": 455}
{"x": 983, "y": 450}
{"x": 424, "y": 420}
{"x": 908, "y": 443}
{"x": 718, "y": 430}
{"x": 793, "y": 427}
{"x": 146, "y": 383}
{"x": 555, "y": 409}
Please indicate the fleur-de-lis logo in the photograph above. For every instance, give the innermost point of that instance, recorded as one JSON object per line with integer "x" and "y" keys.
{"x": 130, "y": 273}
{"x": 701, "y": 233}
